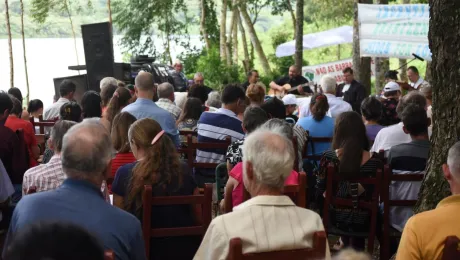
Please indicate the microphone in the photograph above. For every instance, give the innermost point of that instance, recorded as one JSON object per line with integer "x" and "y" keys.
{"x": 418, "y": 57}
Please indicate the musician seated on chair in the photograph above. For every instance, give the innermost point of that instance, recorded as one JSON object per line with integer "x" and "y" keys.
{"x": 415, "y": 81}
{"x": 269, "y": 221}
{"x": 425, "y": 233}
{"x": 294, "y": 79}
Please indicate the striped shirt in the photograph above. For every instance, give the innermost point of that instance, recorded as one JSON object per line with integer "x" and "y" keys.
{"x": 214, "y": 127}
{"x": 264, "y": 223}
{"x": 45, "y": 176}
{"x": 169, "y": 106}
{"x": 410, "y": 158}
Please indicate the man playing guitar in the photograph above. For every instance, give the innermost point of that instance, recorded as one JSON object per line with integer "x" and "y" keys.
{"x": 294, "y": 79}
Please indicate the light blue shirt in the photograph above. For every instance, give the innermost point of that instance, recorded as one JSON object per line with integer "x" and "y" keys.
{"x": 146, "y": 108}
{"x": 323, "y": 128}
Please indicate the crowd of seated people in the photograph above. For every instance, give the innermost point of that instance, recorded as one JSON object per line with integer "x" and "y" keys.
{"x": 133, "y": 139}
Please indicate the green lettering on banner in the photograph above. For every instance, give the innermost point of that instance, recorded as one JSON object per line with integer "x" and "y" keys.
{"x": 395, "y": 29}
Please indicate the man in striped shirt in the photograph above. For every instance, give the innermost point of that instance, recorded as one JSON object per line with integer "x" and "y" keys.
{"x": 409, "y": 158}
{"x": 214, "y": 127}
{"x": 270, "y": 221}
{"x": 49, "y": 176}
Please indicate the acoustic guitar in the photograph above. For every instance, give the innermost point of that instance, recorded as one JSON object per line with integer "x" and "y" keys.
{"x": 288, "y": 89}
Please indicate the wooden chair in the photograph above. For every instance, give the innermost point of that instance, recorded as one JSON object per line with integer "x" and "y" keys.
{"x": 188, "y": 132}
{"x": 192, "y": 148}
{"x": 451, "y": 246}
{"x": 42, "y": 123}
{"x": 311, "y": 142}
{"x": 41, "y": 141}
{"x": 317, "y": 252}
{"x": 148, "y": 201}
{"x": 296, "y": 160}
{"x": 109, "y": 255}
{"x": 388, "y": 231}
{"x": 295, "y": 192}
{"x": 370, "y": 205}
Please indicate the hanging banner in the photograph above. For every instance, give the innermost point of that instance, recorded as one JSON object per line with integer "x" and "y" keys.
{"x": 314, "y": 73}
{"x": 394, "y": 30}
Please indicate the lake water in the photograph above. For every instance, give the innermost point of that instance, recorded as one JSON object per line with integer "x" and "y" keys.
{"x": 49, "y": 58}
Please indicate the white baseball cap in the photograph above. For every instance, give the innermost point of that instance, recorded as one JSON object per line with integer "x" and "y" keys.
{"x": 391, "y": 86}
{"x": 289, "y": 99}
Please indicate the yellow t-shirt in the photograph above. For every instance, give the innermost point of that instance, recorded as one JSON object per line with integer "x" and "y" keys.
{"x": 425, "y": 233}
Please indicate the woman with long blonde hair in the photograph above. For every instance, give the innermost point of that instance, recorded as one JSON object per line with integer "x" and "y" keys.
{"x": 158, "y": 165}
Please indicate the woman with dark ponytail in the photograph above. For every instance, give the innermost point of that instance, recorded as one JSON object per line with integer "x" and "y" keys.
{"x": 319, "y": 124}
{"x": 121, "y": 98}
{"x": 157, "y": 165}
{"x": 351, "y": 157}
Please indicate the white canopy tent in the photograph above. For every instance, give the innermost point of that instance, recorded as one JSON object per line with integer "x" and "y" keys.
{"x": 335, "y": 36}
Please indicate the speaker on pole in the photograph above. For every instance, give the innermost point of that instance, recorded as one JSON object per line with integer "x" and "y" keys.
{"x": 97, "y": 42}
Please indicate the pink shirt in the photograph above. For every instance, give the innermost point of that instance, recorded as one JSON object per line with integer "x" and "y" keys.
{"x": 237, "y": 174}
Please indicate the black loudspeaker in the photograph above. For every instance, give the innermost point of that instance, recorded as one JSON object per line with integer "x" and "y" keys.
{"x": 80, "y": 81}
{"x": 97, "y": 42}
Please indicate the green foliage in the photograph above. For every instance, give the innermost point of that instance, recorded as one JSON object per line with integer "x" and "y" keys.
{"x": 41, "y": 9}
{"x": 190, "y": 60}
{"x": 216, "y": 72}
{"x": 328, "y": 12}
{"x": 211, "y": 23}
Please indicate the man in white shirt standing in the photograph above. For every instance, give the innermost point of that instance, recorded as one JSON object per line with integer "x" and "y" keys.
{"x": 66, "y": 90}
{"x": 336, "y": 105}
{"x": 414, "y": 78}
{"x": 394, "y": 135}
{"x": 269, "y": 221}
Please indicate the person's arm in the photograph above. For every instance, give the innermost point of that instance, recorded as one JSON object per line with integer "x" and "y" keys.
{"x": 409, "y": 247}
{"x": 137, "y": 244}
{"x": 274, "y": 85}
{"x": 229, "y": 187}
{"x": 215, "y": 243}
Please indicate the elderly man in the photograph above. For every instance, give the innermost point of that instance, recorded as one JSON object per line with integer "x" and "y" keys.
{"x": 424, "y": 234}
{"x": 66, "y": 89}
{"x": 415, "y": 81}
{"x": 180, "y": 81}
{"x": 295, "y": 79}
{"x": 166, "y": 99}
{"x": 265, "y": 222}
{"x": 144, "y": 107}
{"x": 351, "y": 90}
{"x": 86, "y": 160}
{"x": 198, "y": 79}
{"x": 49, "y": 176}
{"x": 336, "y": 105}
{"x": 108, "y": 81}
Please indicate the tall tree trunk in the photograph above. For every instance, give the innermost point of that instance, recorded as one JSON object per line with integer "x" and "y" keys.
{"x": 443, "y": 38}
{"x": 428, "y": 75}
{"x": 291, "y": 11}
{"x": 382, "y": 65}
{"x": 204, "y": 33}
{"x": 255, "y": 40}
{"x": 299, "y": 35}
{"x": 24, "y": 52}
{"x": 230, "y": 34}
{"x": 362, "y": 66}
{"x": 223, "y": 31}
{"x": 10, "y": 44}
{"x": 67, "y": 7}
{"x": 109, "y": 8}
{"x": 246, "y": 64}
{"x": 235, "y": 33}
{"x": 402, "y": 62}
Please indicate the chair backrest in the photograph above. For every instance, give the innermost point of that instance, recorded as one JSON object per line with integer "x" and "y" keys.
{"x": 317, "y": 252}
{"x": 371, "y": 205}
{"x": 388, "y": 177}
{"x": 148, "y": 201}
{"x": 451, "y": 251}
{"x": 31, "y": 190}
{"x": 192, "y": 147}
{"x": 297, "y": 193}
{"x": 42, "y": 123}
{"x": 109, "y": 255}
{"x": 41, "y": 141}
{"x": 311, "y": 142}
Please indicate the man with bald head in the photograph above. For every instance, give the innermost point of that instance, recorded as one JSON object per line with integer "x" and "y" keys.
{"x": 294, "y": 79}
{"x": 86, "y": 157}
{"x": 425, "y": 233}
{"x": 144, "y": 107}
{"x": 270, "y": 221}
{"x": 166, "y": 99}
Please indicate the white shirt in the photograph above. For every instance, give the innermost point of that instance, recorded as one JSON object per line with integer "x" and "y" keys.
{"x": 264, "y": 223}
{"x": 417, "y": 84}
{"x": 390, "y": 136}
{"x": 52, "y": 112}
{"x": 336, "y": 106}
{"x": 346, "y": 87}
